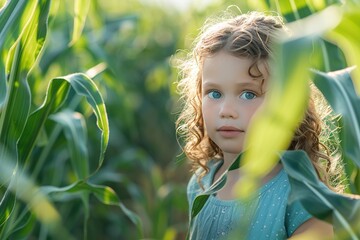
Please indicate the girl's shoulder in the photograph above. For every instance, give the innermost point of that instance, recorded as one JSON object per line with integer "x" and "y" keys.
{"x": 213, "y": 165}
{"x": 194, "y": 187}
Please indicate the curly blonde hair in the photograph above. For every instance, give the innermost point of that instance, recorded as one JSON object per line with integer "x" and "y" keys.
{"x": 247, "y": 35}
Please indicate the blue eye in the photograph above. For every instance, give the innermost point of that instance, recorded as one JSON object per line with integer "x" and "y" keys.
{"x": 214, "y": 94}
{"x": 248, "y": 95}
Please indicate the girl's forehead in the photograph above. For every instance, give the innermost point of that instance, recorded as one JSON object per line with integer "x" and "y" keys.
{"x": 224, "y": 62}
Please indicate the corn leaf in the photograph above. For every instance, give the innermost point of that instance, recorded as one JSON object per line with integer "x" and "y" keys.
{"x": 26, "y": 190}
{"x": 81, "y": 9}
{"x": 56, "y": 94}
{"x": 7, "y": 203}
{"x": 339, "y": 91}
{"x": 20, "y": 60}
{"x": 23, "y": 226}
{"x": 292, "y": 10}
{"x": 347, "y": 37}
{"x": 202, "y": 198}
{"x": 289, "y": 90}
{"x": 9, "y": 32}
{"x": 104, "y": 194}
{"x": 22, "y": 57}
{"x": 8, "y": 199}
{"x": 340, "y": 210}
{"x": 75, "y": 132}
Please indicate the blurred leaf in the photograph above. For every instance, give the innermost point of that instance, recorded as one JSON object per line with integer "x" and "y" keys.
{"x": 347, "y": 37}
{"x": 331, "y": 55}
{"x": 75, "y": 132}
{"x": 292, "y": 10}
{"x": 24, "y": 226}
{"x": 25, "y": 189}
{"x": 81, "y": 9}
{"x": 104, "y": 194}
{"x": 340, "y": 210}
{"x": 289, "y": 89}
{"x": 7, "y": 203}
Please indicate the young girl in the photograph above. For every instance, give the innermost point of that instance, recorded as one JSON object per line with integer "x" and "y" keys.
{"x": 224, "y": 84}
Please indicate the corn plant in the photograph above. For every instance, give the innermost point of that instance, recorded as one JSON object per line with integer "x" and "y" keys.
{"x": 31, "y": 200}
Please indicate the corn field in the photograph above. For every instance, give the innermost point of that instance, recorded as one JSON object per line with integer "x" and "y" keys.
{"x": 88, "y": 101}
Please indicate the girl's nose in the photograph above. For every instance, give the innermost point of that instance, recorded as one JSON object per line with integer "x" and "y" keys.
{"x": 228, "y": 109}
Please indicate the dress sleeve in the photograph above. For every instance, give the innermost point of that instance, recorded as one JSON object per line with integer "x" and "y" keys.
{"x": 296, "y": 215}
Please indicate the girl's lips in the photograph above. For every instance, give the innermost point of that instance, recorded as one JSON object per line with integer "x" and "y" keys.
{"x": 229, "y": 128}
{"x": 229, "y": 132}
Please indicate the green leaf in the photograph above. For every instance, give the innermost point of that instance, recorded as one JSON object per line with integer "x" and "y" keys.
{"x": 9, "y": 18}
{"x": 286, "y": 101}
{"x": 56, "y": 95}
{"x": 76, "y": 135}
{"x": 289, "y": 89}
{"x": 84, "y": 86}
{"x": 104, "y": 194}
{"x": 201, "y": 199}
{"x": 27, "y": 191}
{"x": 22, "y": 57}
{"x": 339, "y": 91}
{"x": 7, "y": 203}
{"x": 292, "y": 10}
{"x": 341, "y": 210}
{"x": 346, "y": 36}
{"x": 81, "y": 9}
{"x": 24, "y": 226}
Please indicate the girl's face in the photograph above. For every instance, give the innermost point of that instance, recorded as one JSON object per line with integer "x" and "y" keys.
{"x": 230, "y": 97}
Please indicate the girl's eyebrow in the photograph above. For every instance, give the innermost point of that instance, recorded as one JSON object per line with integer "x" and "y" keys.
{"x": 209, "y": 84}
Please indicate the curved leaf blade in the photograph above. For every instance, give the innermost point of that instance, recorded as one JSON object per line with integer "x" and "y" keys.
{"x": 289, "y": 89}
{"x": 341, "y": 210}
{"x": 55, "y": 96}
{"x": 104, "y": 194}
{"x": 84, "y": 86}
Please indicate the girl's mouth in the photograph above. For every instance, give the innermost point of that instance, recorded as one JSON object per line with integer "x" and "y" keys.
{"x": 229, "y": 131}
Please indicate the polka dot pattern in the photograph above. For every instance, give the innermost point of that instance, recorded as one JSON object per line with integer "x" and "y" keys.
{"x": 266, "y": 215}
